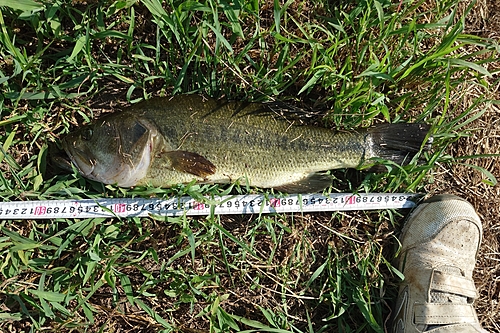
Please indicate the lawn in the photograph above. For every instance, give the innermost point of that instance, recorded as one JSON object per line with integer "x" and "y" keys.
{"x": 347, "y": 64}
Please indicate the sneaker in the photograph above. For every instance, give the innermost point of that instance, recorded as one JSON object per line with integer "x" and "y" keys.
{"x": 440, "y": 242}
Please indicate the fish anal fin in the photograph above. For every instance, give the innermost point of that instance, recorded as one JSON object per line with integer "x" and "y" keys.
{"x": 190, "y": 162}
{"x": 313, "y": 183}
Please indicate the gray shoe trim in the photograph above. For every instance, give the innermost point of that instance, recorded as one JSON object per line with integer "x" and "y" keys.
{"x": 444, "y": 314}
{"x": 443, "y": 197}
{"x": 458, "y": 328}
{"x": 447, "y": 283}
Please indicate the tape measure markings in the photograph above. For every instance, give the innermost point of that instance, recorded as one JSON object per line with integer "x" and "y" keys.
{"x": 236, "y": 204}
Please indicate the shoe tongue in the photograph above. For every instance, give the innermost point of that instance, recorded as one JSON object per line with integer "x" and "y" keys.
{"x": 442, "y": 297}
{"x": 439, "y": 297}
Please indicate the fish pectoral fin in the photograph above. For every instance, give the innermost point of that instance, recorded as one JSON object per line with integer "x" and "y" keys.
{"x": 313, "y": 183}
{"x": 190, "y": 162}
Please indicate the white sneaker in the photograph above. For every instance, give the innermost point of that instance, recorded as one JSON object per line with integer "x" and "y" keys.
{"x": 440, "y": 242}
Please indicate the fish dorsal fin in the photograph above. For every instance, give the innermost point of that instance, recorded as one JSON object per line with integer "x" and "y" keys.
{"x": 190, "y": 162}
{"x": 311, "y": 184}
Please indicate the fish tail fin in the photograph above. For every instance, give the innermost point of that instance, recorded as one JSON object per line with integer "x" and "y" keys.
{"x": 399, "y": 142}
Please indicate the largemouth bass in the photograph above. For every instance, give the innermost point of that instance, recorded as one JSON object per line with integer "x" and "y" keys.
{"x": 167, "y": 141}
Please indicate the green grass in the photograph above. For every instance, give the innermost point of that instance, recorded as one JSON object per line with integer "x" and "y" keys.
{"x": 350, "y": 63}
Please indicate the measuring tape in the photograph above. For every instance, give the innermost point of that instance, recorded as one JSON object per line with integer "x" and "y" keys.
{"x": 230, "y": 204}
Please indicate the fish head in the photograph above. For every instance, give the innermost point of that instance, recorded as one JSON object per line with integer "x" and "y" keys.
{"x": 114, "y": 150}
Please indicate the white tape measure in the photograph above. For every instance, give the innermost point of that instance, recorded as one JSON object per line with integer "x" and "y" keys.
{"x": 235, "y": 204}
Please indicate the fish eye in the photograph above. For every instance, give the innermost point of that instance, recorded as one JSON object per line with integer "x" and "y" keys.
{"x": 87, "y": 134}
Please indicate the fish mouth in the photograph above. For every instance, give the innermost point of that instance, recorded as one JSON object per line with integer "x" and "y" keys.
{"x": 59, "y": 158}
{"x": 78, "y": 158}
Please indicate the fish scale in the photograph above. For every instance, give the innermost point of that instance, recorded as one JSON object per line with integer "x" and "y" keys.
{"x": 167, "y": 141}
